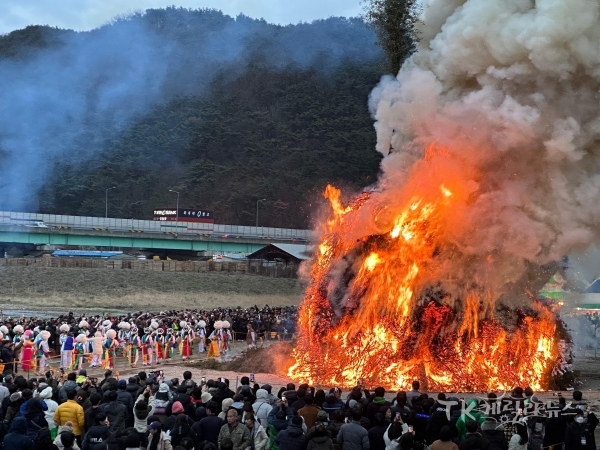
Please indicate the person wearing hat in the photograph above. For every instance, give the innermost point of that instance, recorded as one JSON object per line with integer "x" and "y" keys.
{"x": 123, "y": 396}
{"x": 158, "y": 439}
{"x": 318, "y": 438}
{"x": 46, "y": 395}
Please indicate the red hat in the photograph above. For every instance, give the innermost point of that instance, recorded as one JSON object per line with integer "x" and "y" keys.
{"x": 177, "y": 408}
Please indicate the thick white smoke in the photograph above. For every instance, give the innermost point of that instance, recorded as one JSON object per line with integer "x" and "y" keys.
{"x": 510, "y": 89}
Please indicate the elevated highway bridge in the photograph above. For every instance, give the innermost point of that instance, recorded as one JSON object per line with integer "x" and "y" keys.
{"x": 81, "y": 231}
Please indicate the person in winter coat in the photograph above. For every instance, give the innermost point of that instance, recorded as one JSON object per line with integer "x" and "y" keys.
{"x": 69, "y": 384}
{"x": 158, "y": 439}
{"x": 123, "y": 396}
{"x": 98, "y": 435}
{"x": 46, "y": 395}
{"x": 43, "y": 441}
{"x": 437, "y": 420}
{"x": 310, "y": 411}
{"x": 519, "y": 440}
{"x": 258, "y": 435}
{"x": 70, "y": 411}
{"x": 238, "y": 433}
{"x": 376, "y": 403}
{"x": 332, "y": 404}
{"x": 394, "y": 433}
{"x": 278, "y": 424}
{"x": 144, "y": 407}
{"x": 493, "y": 431}
{"x": 376, "y": 433}
{"x": 292, "y": 438}
{"x": 35, "y": 418}
{"x": 14, "y": 405}
{"x": 473, "y": 414}
{"x": 445, "y": 440}
{"x": 181, "y": 430}
{"x": 320, "y": 438}
{"x": 473, "y": 440}
{"x": 580, "y": 432}
{"x": 115, "y": 412}
{"x": 262, "y": 407}
{"x": 65, "y": 429}
{"x": 16, "y": 438}
{"x": 353, "y": 436}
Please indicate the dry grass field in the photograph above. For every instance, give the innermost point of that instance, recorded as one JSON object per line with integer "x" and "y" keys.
{"x": 30, "y": 288}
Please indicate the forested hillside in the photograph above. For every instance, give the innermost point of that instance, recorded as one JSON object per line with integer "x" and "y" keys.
{"x": 224, "y": 110}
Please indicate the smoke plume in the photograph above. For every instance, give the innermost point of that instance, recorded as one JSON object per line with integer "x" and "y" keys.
{"x": 501, "y": 103}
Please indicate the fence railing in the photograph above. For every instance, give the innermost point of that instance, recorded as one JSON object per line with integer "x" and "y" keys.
{"x": 149, "y": 226}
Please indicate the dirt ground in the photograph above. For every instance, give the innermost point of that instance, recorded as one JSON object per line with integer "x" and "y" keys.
{"x": 29, "y": 288}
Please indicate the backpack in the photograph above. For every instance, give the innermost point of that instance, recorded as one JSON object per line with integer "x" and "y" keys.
{"x": 160, "y": 406}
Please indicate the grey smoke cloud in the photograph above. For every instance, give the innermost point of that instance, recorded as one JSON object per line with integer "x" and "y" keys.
{"x": 69, "y": 101}
{"x": 510, "y": 90}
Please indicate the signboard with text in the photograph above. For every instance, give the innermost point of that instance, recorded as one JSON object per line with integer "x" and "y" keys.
{"x": 184, "y": 215}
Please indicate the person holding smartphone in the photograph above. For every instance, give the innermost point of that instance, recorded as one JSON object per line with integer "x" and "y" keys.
{"x": 352, "y": 434}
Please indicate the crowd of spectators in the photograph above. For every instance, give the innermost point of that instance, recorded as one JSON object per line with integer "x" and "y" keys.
{"x": 148, "y": 412}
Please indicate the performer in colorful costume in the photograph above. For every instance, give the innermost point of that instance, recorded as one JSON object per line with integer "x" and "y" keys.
{"x": 159, "y": 342}
{"x": 187, "y": 335}
{"x": 110, "y": 345}
{"x": 147, "y": 344}
{"x": 213, "y": 349}
{"x": 27, "y": 362}
{"x": 135, "y": 347}
{"x": 170, "y": 343}
{"x": 225, "y": 337}
{"x": 42, "y": 351}
{"x": 250, "y": 337}
{"x": 79, "y": 351}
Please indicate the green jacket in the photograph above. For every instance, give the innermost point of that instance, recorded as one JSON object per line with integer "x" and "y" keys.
{"x": 474, "y": 414}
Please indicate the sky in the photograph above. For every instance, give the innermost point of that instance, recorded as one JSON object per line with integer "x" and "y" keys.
{"x": 88, "y": 14}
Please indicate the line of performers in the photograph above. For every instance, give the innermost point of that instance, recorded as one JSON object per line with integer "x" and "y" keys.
{"x": 155, "y": 345}
{"x": 34, "y": 350}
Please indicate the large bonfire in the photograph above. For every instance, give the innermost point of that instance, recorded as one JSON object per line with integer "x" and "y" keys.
{"x": 489, "y": 135}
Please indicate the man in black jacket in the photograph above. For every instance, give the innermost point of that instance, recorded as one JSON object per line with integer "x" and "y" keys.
{"x": 115, "y": 412}
{"x": 474, "y": 440}
{"x": 493, "y": 431}
{"x": 209, "y": 427}
{"x": 580, "y": 432}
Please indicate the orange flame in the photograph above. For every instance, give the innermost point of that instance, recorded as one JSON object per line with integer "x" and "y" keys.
{"x": 372, "y": 311}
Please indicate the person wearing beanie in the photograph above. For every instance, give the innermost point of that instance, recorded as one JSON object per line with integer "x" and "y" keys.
{"x": 176, "y": 409}
{"x": 225, "y": 405}
{"x": 123, "y": 396}
{"x": 46, "y": 396}
{"x": 206, "y": 397}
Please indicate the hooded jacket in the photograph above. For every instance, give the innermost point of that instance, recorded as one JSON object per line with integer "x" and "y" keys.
{"x": 46, "y": 395}
{"x": 16, "y": 438}
{"x": 320, "y": 440}
{"x": 262, "y": 407}
{"x": 461, "y": 424}
{"x": 292, "y": 438}
{"x": 494, "y": 432}
{"x": 116, "y": 414}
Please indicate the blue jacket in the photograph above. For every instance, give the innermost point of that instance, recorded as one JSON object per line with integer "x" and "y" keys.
{"x": 16, "y": 439}
{"x": 353, "y": 436}
{"x": 292, "y": 438}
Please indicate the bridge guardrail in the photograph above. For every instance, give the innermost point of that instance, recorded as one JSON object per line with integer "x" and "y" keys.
{"x": 150, "y": 226}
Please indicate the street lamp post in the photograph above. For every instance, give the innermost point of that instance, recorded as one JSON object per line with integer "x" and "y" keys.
{"x": 106, "y": 202}
{"x": 176, "y": 211}
{"x": 261, "y": 200}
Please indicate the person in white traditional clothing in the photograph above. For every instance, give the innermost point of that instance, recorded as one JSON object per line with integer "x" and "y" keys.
{"x": 66, "y": 342}
{"x": 97, "y": 349}
{"x": 202, "y": 335}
